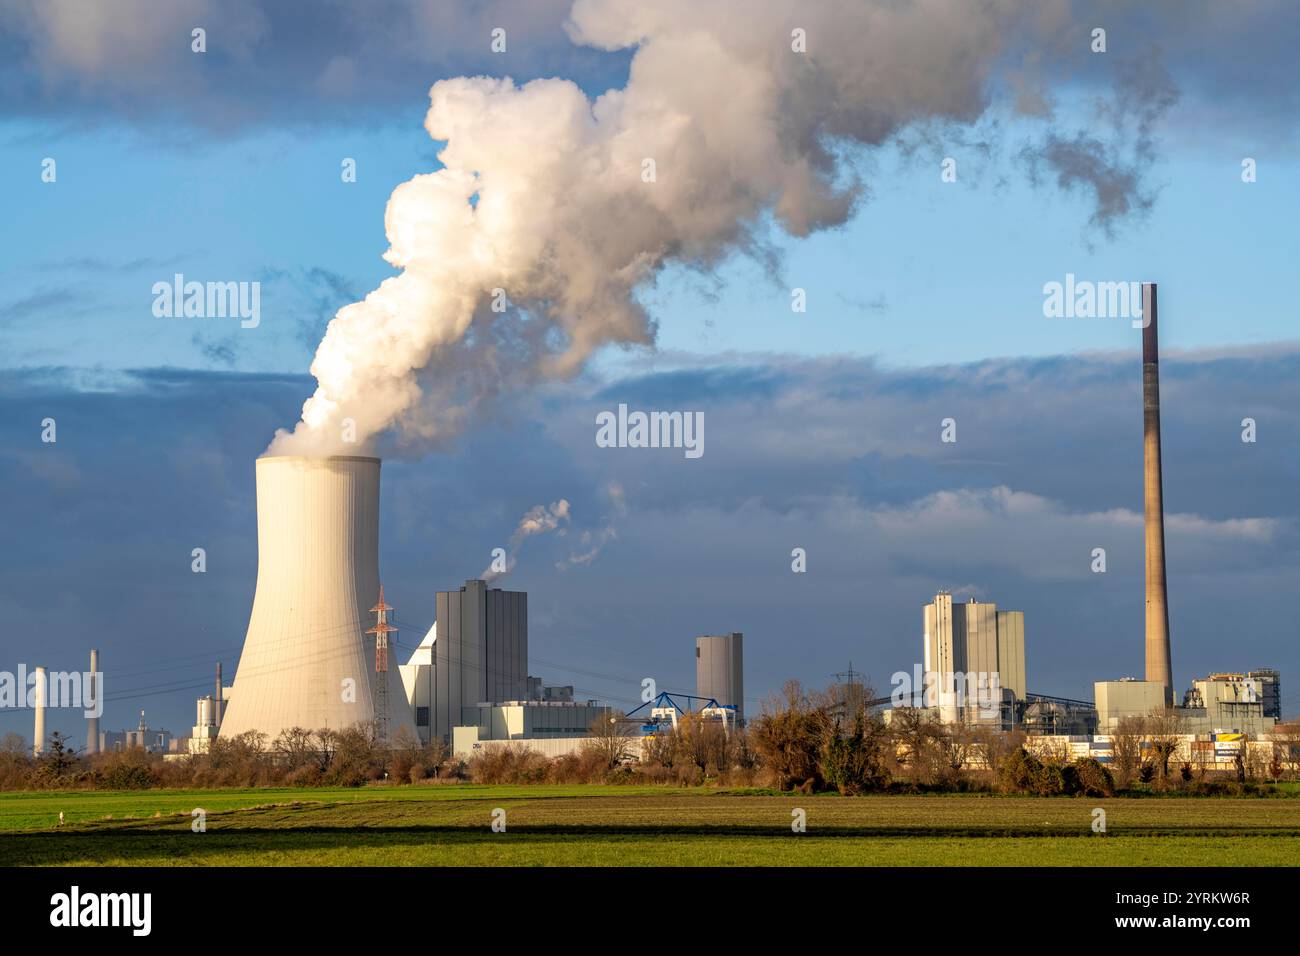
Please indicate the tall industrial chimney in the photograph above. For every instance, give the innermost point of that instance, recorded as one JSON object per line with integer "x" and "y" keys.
{"x": 306, "y": 662}
{"x": 92, "y": 723}
{"x": 1159, "y": 668}
{"x": 38, "y": 705}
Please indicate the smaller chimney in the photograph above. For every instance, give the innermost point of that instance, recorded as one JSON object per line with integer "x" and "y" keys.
{"x": 92, "y": 723}
{"x": 216, "y": 700}
{"x": 38, "y": 733}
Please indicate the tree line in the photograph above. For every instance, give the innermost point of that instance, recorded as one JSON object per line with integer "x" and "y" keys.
{"x": 807, "y": 741}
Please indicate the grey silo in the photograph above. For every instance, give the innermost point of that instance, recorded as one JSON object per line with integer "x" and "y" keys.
{"x": 720, "y": 669}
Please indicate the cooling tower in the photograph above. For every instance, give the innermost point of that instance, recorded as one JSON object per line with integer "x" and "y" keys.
{"x": 1159, "y": 668}
{"x": 307, "y": 661}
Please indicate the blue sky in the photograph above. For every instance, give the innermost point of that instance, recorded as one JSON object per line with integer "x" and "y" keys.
{"x": 271, "y": 204}
{"x": 822, "y": 425}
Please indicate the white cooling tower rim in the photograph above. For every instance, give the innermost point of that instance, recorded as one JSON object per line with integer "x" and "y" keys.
{"x": 316, "y": 458}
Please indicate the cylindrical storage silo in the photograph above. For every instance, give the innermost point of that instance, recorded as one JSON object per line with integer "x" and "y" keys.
{"x": 307, "y": 661}
{"x": 719, "y": 670}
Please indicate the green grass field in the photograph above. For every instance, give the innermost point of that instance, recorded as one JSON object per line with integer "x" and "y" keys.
{"x": 626, "y": 826}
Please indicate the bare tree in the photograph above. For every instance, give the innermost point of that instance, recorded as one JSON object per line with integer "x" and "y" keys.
{"x": 1286, "y": 748}
{"x": 611, "y": 739}
{"x": 436, "y": 755}
{"x": 296, "y": 747}
{"x": 992, "y": 746}
{"x": 928, "y": 751}
{"x": 703, "y": 742}
{"x": 404, "y": 752}
{"x": 1255, "y": 760}
{"x": 954, "y": 745}
{"x": 1126, "y": 750}
{"x": 1164, "y": 732}
{"x": 1054, "y": 751}
{"x": 326, "y": 744}
{"x": 789, "y": 735}
{"x": 659, "y": 750}
{"x": 1202, "y": 758}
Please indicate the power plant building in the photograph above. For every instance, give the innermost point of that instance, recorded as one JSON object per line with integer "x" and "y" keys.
{"x": 475, "y": 654}
{"x": 720, "y": 670}
{"x": 965, "y": 645}
{"x": 1219, "y": 703}
{"x": 1120, "y": 699}
{"x": 307, "y": 661}
{"x": 549, "y": 727}
{"x": 1247, "y": 703}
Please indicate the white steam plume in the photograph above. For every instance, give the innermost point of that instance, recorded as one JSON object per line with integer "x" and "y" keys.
{"x": 543, "y": 193}
{"x": 538, "y": 520}
{"x": 592, "y": 542}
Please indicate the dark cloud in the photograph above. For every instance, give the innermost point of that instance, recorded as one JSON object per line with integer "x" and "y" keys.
{"x": 219, "y": 351}
{"x": 39, "y": 303}
{"x": 1111, "y": 167}
{"x": 294, "y": 61}
{"x": 311, "y": 295}
{"x": 299, "y": 60}
{"x": 96, "y": 264}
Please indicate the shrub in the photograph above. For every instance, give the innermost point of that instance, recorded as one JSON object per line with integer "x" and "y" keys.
{"x": 1050, "y": 781}
{"x": 306, "y": 775}
{"x": 124, "y": 775}
{"x": 854, "y": 763}
{"x": 1094, "y": 778}
{"x": 622, "y": 774}
{"x": 1019, "y": 771}
{"x": 508, "y": 764}
{"x": 789, "y": 738}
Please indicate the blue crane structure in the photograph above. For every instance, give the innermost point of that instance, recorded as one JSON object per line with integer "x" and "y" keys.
{"x": 666, "y": 708}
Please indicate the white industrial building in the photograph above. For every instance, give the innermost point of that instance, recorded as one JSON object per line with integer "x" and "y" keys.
{"x": 974, "y": 658}
{"x": 551, "y": 728}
